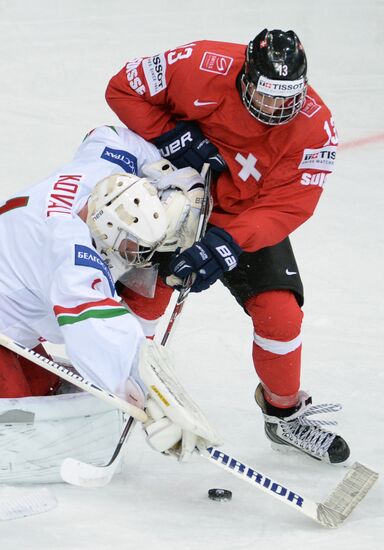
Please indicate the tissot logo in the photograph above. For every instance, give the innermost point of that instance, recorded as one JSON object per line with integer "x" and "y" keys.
{"x": 282, "y": 88}
{"x": 319, "y": 159}
{"x": 154, "y": 70}
{"x": 159, "y": 70}
{"x": 322, "y": 154}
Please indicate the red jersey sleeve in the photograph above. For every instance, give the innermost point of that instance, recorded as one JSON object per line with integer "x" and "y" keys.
{"x": 139, "y": 93}
{"x": 129, "y": 96}
{"x": 151, "y": 94}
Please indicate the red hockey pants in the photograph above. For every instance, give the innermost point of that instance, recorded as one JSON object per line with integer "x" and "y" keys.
{"x": 22, "y": 378}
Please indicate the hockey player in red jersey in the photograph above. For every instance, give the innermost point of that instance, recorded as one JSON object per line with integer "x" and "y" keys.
{"x": 271, "y": 143}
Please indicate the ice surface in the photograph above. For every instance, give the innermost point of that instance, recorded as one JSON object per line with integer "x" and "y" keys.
{"x": 56, "y": 59}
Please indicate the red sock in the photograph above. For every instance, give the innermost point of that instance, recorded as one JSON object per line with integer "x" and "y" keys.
{"x": 276, "y": 353}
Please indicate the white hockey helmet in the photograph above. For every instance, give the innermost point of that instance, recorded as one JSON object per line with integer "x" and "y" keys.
{"x": 126, "y": 219}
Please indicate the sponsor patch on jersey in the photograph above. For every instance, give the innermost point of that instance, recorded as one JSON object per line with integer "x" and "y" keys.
{"x": 133, "y": 76}
{"x": 88, "y": 257}
{"x": 280, "y": 88}
{"x": 126, "y": 160}
{"x": 319, "y": 159}
{"x": 216, "y": 63}
{"x": 154, "y": 70}
{"x": 310, "y": 107}
{"x": 313, "y": 179}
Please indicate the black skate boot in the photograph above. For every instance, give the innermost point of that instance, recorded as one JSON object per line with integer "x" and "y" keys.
{"x": 292, "y": 428}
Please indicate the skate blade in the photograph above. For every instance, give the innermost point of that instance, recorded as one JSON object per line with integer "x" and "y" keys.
{"x": 284, "y": 449}
{"x": 288, "y": 450}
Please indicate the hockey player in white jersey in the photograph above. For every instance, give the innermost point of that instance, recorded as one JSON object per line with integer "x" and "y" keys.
{"x": 64, "y": 243}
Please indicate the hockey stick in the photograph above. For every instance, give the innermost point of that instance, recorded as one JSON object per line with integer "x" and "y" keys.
{"x": 72, "y": 377}
{"x": 80, "y": 473}
{"x": 331, "y": 513}
{"x": 200, "y": 231}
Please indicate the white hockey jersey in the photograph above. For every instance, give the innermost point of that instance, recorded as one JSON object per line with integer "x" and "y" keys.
{"x": 53, "y": 283}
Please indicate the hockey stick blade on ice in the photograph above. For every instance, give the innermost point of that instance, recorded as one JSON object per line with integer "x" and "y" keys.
{"x": 331, "y": 513}
{"x": 83, "y": 474}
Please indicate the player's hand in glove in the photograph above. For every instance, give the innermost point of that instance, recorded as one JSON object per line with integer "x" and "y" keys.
{"x": 175, "y": 424}
{"x": 169, "y": 438}
{"x": 207, "y": 260}
{"x": 185, "y": 145}
{"x": 182, "y": 195}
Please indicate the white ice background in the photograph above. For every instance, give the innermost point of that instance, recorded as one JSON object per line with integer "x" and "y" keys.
{"x": 56, "y": 59}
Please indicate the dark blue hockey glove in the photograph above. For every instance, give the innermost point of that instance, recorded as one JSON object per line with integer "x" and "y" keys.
{"x": 185, "y": 145}
{"x": 208, "y": 259}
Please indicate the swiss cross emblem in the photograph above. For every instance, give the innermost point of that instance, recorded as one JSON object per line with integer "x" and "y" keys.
{"x": 248, "y": 167}
{"x": 263, "y": 44}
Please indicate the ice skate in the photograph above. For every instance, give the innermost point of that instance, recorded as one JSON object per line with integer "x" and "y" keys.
{"x": 294, "y": 429}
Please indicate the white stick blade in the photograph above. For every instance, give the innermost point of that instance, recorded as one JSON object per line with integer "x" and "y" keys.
{"x": 82, "y": 474}
{"x": 347, "y": 495}
{"x": 18, "y": 503}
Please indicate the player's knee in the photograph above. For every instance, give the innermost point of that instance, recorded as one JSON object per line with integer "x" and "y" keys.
{"x": 275, "y": 315}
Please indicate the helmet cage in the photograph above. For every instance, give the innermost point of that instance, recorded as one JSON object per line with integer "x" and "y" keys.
{"x": 131, "y": 250}
{"x": 272, "y": 109}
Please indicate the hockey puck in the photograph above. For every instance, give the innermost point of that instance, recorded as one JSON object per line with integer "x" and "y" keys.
{"x": 220, "y": 494}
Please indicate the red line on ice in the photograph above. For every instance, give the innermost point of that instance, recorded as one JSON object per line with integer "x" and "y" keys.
{"x": 362, "y": 141}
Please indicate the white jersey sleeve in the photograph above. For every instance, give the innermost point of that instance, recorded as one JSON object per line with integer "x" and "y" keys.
{"x": 101, "y": 337}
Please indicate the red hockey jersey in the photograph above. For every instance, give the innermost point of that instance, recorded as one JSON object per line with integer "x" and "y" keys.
{"x": 275, "y": 174}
